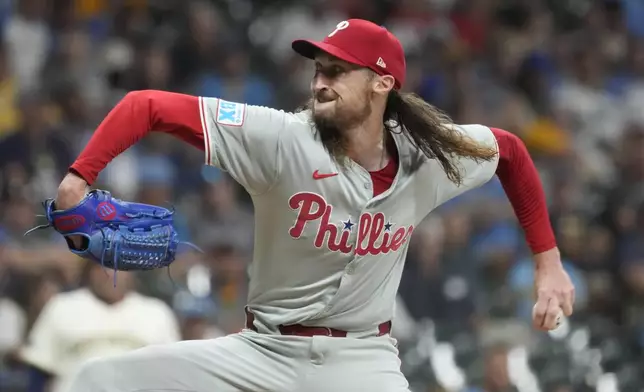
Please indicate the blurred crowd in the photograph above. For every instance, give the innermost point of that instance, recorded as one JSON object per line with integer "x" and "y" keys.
{"x": 566, "y": 76}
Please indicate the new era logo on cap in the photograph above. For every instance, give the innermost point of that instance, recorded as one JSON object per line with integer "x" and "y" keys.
{"x": 363, "y": 43}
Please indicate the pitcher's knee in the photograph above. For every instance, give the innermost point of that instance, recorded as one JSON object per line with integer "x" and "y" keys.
{"x": 95, "y": 375}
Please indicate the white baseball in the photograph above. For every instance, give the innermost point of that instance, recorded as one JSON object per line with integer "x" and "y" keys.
{"x": 558, "y": 320}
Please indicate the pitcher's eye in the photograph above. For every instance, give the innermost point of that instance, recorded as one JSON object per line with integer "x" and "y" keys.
{"x": 330, "y": 72}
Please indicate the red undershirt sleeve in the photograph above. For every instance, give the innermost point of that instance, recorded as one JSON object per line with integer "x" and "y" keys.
{"x": 522, "y": 185}
{"x": 138, "y": 113}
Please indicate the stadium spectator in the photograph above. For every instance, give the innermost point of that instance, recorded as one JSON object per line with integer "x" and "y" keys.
{"x": 97, "y": 320}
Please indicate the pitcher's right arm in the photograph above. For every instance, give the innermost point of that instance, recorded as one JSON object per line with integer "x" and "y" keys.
{"x": 244, "y": 140}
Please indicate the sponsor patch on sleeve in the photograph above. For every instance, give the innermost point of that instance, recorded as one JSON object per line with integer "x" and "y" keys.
{"x": 230, "y": 113}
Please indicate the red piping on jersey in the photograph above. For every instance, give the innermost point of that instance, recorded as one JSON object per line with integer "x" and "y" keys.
{"x": 206, "y": 131}
{"x": 180, "y": 115}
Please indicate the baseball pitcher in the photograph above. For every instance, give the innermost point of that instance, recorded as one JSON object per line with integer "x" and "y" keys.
{"x": 338, "y": 188}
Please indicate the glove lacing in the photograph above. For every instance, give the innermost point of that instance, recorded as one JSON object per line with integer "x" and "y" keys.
{"x": 40, "y": 227}
{"x": 138, "y": 249}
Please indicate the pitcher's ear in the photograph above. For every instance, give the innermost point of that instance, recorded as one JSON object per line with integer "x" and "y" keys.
{"x": 384, "y": 84}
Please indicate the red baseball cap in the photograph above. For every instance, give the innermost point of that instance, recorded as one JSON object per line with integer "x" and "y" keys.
{"x": 363, "y": 43}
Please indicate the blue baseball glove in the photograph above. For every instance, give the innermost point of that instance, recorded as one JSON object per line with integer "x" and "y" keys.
{"x": 117, "y": 234}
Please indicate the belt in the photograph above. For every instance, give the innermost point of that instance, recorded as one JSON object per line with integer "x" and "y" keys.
{"x": 303, "y": 330}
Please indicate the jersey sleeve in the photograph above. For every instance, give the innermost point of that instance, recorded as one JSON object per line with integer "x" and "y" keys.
{"x": 474, "y": 173}
{"x": 244, "y": 140}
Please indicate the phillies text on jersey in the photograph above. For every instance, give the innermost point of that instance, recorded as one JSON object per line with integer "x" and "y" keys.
{"x": 375, "y": 234}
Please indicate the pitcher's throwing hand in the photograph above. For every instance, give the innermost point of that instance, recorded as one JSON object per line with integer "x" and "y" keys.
{"x": 554, "y": 291}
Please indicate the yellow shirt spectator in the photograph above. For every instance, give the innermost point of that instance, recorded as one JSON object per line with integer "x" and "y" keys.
{"x": 9, "y": 113}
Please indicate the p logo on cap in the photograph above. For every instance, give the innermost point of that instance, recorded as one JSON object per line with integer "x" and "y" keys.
{"x": 341, "y": 26}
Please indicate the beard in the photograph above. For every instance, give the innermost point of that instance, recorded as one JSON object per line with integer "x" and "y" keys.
{"x": 332, "y": 124}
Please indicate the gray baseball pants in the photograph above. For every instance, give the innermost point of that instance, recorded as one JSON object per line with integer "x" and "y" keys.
{"x": 250, "y": 362}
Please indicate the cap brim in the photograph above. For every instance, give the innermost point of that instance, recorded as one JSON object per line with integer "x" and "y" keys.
{"x": 309, "y": 49}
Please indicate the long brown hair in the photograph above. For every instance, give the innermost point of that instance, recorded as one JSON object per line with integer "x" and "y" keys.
{"x": 434, "y": 133}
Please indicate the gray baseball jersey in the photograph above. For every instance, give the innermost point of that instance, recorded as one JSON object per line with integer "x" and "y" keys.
{"x": 327, "y": 252}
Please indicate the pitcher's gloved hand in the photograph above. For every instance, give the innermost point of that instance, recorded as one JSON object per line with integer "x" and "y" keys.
{"x": 117, "y": 234}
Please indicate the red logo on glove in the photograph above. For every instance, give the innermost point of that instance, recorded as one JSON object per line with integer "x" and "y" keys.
{"x": 106, "y": 210}
{"x": 68, "y": 223}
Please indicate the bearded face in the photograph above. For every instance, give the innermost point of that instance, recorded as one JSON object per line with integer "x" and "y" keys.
{"x": 341, "y": 100}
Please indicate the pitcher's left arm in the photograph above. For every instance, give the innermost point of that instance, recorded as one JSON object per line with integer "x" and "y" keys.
{"x": 520, "y": 180}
